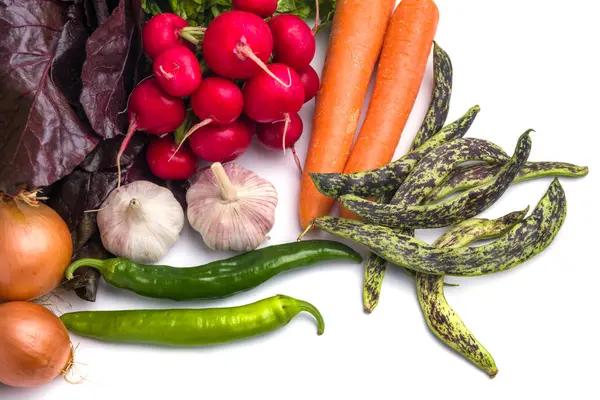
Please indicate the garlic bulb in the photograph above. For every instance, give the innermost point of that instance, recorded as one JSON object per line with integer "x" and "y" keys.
{"x": 140, "y": 221}
{"x": 231, "y": 207}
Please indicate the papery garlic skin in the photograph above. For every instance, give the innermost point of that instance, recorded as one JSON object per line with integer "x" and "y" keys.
{"x": 140, "y": 221}
{"x": 241, "y": 224}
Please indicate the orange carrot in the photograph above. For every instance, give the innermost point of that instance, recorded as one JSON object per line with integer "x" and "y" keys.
{"x": 356, "y": 38}
{"x": 401, "y": 67}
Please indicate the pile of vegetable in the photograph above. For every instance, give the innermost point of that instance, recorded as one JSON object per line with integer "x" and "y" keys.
{"x": 83, "y": 197}
{"x": 444, "y": 181}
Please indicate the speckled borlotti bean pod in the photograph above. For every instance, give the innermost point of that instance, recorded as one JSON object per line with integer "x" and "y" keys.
{"x": 449, "y": 212}
{"x": 526, "y": 239}
{"x": 440, "y": 99}
{"x": 470, "y": 176}
{"x": 438, "y": 163}
{"x": 441, "y": 319}
{"x": 389, "y": 177}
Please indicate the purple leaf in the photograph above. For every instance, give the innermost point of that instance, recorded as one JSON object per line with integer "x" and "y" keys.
{"x": 109, "y": 70}
{"x": 41, "y": 137}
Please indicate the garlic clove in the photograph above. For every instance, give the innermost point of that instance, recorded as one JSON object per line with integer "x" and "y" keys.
{"x": 231, "y": 207}
{"x": 140, "y": 221}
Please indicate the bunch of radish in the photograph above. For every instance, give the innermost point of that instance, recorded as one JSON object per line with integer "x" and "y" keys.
{"x": 236, "y": 45}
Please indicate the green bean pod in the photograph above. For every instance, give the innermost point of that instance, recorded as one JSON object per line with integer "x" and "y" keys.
{"x": 440, "y": 98}
{"x": 438, "y": 163}
{"x": 390, "y": 176}
{"x": 470, "y": 176}
{"x": 217, "y": 279}
{"x": 526, "y": 239}
{"x": 190, "y": 327}
{"x": 449, "y": 212}
{"x": 441, "y": 319}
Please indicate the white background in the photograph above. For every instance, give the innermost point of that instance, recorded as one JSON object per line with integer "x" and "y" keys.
{"x": 528, "y": 64}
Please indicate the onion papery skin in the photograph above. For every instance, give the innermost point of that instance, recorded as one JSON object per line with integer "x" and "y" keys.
{"x": 34, "y": 345}
{"x": 35, "y": 249}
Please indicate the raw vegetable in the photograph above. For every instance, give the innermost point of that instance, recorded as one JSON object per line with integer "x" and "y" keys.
{"x": 237, "y": 45}
{"x": 441, "y": 319}
{"x": 457, "y": 209}
{"x": 470, "y": 176}
{"x": 390, "y": 176}
{"x": 310, "y": 82}
{"x": 34, "y": 345}
{"x": 267, "y": 100}
{"x": 282, "y": 135}
{"x": 217, "y": 100}
{"x": 190, "y": 327}
{"x": 522, "y": 242}
{"x": 262, "y": 8}
{"x": 164, "y": 163}
{"x": 353, "y": 50}
{"x": 217, "y": 279}
{"x": 35, "y": 114}
{"x": 432, "y": 123}
{"x": 221, "y": 143}
{"x": 140, "y": 221}
{"x": 293, "y": 41}
{"x": 401, "y": 67}
{"x": 35, "y": 248}
{"x": 153, "y": 111}
{"x": 440, "y": 98}
{"x": 177, "y": 71}
{"x": 231, "y": 207}
{"x": 167, "y": 30}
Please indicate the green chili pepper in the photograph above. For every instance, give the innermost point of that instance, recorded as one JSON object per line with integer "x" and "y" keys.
{"x": 522, "y": 242}
{"x": 440, "y": 99}
{"x": 388, "y": 178}
{"x": 441, "y": 319}
{"x": 190, "y": 327}
{"x": 469, "y": 176}
{"x": 449, "y": 212}
{"x": 217, "y": 279}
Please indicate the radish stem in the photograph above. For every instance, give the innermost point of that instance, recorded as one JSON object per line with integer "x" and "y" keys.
{"x": 228, "y": 192}
{"x": 189, "y": 37}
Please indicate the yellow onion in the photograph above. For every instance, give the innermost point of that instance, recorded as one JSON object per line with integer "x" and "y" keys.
{"x": 34, "y": 345}
{"x": 35, "y": 248}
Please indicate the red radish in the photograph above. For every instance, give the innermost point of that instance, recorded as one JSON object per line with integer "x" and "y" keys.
{"x": 266, "y": 100}
{"x": 163, "y": 162}
{"x": 310, "y": 82}
{"x": 293, "y": 41}
{"x": 177, "y": 71}
{"x": 217, "y": 100}
{"x": 262, "y": 8}
{"x": 167, "y": 30}
{"x": 282, "y": 135}
{"x": 221, "y": 143}
{"x": 153, "y": 111}
{"x": 237, "y": 44}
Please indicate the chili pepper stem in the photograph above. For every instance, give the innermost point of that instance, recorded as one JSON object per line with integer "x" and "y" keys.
{"x": 297, "y": 306}
{"x": 84, "y": 262}
{"x": 228, "y": 192}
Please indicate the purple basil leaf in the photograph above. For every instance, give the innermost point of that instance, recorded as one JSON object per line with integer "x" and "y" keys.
{"x": 105, "y": 154}
{"x": 179, "y": 190}
{"x": 41, "y": 137}
{"x": 96, "y": 12}
{"x": 70, "y": 54}
{"x": 108, "y": 72}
